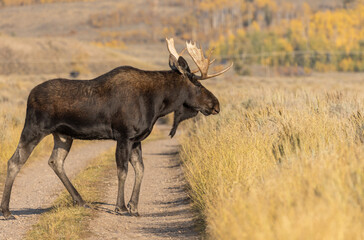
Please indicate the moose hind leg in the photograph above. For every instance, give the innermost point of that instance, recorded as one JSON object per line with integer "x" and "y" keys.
{"x": 62, "y": 146}
{"x": 20, "y": 156}
{"x": 136, "y": 161}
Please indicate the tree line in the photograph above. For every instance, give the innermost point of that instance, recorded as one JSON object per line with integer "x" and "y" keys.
{"x": 266, "y": 33}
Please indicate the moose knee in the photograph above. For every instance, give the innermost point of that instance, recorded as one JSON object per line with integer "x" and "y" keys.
{"x": 13, "y": 167}
{"x": 122, "y": 173}
{"x": 54, "y": 164}
{"x": 51, "y": 163}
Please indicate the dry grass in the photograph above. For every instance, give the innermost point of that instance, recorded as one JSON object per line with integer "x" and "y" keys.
{"x": 283, "y": 160}
{"x": 57, "y": 57}
{"x": 8, "y": 3}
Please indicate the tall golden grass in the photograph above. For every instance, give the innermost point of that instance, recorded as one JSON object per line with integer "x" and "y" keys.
{"x": 283, "y": 160}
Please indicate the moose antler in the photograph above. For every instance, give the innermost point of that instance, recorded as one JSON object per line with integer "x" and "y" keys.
{"x": 201, "y": 62}
{"x": 172, "y": 49}
{"x": 197, "y": 69}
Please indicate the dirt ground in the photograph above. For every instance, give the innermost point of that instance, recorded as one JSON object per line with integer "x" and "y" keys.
{"x": 164, "y": 206}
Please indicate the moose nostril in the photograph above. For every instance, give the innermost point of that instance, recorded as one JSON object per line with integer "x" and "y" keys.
{"x": 216, "y": 109}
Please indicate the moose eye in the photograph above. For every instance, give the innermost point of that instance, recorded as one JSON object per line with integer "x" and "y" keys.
{"x": 198, "y": 89}
{"x": 198, "y": 85}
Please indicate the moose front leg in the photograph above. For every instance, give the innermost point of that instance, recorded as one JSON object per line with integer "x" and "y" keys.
{"x": 122, "y": 155}
{"x": 136, "y": 161}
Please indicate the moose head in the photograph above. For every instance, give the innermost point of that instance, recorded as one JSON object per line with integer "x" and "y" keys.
{"x": 200, "y": 99}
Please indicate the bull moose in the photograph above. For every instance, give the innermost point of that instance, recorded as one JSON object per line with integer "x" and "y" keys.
{"x": 122, "y": 105}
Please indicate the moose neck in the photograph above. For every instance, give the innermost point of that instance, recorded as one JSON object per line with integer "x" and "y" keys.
{"x": 175, "y": 93}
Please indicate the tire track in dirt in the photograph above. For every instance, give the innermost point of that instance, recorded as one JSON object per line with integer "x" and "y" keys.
{"x": 163, "y": 206}
{"x": 37, "y": 186}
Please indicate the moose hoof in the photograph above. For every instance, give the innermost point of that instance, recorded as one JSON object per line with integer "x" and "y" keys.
{"x": 86, "y": 206}
{"x": 80, "y": 203}
{"x": 121, "y": 209}
{"x": 133, "y": 211}
{"x": 9, "y": 216}
{"x": 135, "y": 214}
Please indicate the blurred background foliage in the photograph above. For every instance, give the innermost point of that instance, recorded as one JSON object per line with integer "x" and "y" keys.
{"x": 308, "y": 39}
{"x": 271, "y": 36}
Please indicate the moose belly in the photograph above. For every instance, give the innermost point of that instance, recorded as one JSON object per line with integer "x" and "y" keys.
{"x": 79, "y": 123}
{"x": 88, "y": 132}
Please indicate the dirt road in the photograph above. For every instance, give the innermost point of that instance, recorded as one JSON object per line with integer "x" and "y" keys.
{"x": 37, "y": 186}
{"x": 164, "y": 206}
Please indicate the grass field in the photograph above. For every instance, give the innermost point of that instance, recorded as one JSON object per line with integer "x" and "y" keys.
{"x": 283, "y": 160}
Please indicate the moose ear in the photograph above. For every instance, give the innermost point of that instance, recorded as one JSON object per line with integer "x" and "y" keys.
{"x": 179, "y": 65}
{"x": 173, "y": 63}
{"x": 183, "y": 64}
